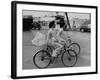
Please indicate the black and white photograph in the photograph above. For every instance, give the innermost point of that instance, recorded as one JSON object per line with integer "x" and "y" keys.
{"x": 54, "y": 39}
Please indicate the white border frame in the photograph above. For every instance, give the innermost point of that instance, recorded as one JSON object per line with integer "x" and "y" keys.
{"x": 36, "y": 72}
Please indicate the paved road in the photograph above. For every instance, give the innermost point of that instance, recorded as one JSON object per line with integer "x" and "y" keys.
{"x": 82, "y": 38}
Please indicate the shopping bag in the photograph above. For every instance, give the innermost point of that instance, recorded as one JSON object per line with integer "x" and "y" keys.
{"x": 39, "y": 39}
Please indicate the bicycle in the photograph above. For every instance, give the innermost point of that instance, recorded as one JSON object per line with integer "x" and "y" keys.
{"x": 42, "y": 59}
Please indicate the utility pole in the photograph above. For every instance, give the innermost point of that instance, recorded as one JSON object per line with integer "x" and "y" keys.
{"x": 68, "y": 20}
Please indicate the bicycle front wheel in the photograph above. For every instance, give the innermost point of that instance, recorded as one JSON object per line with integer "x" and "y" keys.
{"x": 67, "y": 59}
{"x": 41, "y": 59}
{"x": 75, "y": 47}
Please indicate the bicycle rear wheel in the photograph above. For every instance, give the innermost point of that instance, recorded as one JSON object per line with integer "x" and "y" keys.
{"x": 41, "y": 59}
{"x": 67, "y": 59}
{"x": 75, "y": 47}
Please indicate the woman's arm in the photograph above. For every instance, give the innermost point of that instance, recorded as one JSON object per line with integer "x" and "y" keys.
{"x": 60, "y": 33}
{"x": 48, "y": 36}
{"x": 61, "y": 36}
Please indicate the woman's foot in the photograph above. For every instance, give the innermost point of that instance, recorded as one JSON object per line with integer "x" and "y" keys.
{"x": 52, "y": 59}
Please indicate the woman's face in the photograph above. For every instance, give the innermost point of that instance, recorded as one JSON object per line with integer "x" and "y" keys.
{"x": 57, "y": 21}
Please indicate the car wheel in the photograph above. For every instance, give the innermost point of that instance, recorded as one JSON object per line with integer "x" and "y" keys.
{"x": 82, "y": 30}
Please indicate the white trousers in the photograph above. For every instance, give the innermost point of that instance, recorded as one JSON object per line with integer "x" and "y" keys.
{"x": 57, "y": 46}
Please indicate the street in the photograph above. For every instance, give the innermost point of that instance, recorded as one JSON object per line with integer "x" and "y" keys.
{"x": 82, "y": 38}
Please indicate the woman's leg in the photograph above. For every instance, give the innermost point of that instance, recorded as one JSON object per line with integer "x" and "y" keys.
{"x": 59, "y": 46}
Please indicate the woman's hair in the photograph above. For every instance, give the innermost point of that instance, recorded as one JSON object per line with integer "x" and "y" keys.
{"x": 61, "y": 22}
{"x": 52, "y": 24}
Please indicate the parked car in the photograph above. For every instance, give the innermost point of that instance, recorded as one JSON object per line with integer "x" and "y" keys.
{"x": 85, "y": 28}
{"x": 36, "y": 25}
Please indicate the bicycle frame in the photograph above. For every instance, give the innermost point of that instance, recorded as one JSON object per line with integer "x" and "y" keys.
{"x": 62, "y": 50}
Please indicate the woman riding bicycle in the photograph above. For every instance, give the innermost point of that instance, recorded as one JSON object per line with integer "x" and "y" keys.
{"x": 54, "y": 36}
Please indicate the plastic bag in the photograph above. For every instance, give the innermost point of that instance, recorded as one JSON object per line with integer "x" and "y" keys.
{"x": 39, "y": 39}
